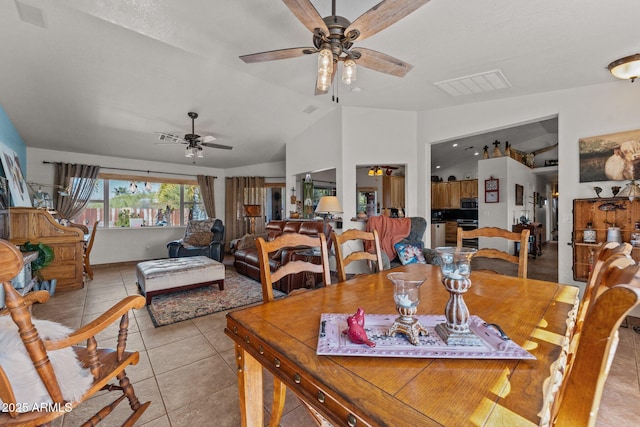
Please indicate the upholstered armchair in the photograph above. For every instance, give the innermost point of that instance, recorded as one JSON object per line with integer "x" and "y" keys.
{"x": 201, "y": 238}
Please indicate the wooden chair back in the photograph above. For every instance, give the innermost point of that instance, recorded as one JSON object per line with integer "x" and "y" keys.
{"x": 87, "y": 251}
{"x": 105, "y": 364}
{"x": 522, "y": 238}
{"x": 291, "y": 241}
{"x": 362, "y": 255}
{"x": 580, "y": 392}
{"x": 606, "y": 254}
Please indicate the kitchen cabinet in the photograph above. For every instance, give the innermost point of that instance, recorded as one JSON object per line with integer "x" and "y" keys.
{"x": 445, "y": 195}
{"x": 469, "y": 189}
{"x": 438, "y": 234}
{"x": 451, "y": 232}
{"x": 623, "y": 214}
{"x": 393, "y": 191}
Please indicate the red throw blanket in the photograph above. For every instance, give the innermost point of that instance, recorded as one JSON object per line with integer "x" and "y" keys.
{"x": 390, "y": 231}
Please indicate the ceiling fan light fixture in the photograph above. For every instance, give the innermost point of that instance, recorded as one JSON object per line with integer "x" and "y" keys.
{"x": 349, "y": 72}
{"x": 379, "y": 171}
{"x": 200, "y": 153}
{"x": 627, "y": 68}
{"x": 371, "y": 172}
{"x": 325, "y": 59}
{"x": 188, "y": 152}
{"x": 324, "y": 80}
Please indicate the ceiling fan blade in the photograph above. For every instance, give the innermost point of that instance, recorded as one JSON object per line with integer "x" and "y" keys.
{"x": 382, "y": 15}
{"x": 274, "y": 55}
{"x": 382, "y": 63}
{"x": 211, "y": 145}
{"x": 206, "y": 138}
{"x": 169, "y": 138}
{"x": 307, "y": 14}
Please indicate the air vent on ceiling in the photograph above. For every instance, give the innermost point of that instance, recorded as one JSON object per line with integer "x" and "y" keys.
{"x": 476, "y": 83}
{"x": 310, "y": 109}
{"x": 31, "y": 14}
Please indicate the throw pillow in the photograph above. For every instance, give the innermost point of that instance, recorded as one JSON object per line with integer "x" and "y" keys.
{"x": 410, "y": 254}
{"x": 27, "y": 386}
{"x": 249, "y": 241}
{"x": 199, "y": 226}
{"x": 198, "y": 239}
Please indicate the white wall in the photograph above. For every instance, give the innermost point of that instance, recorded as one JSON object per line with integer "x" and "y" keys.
{"x": 317, "y": 148}
{"x": 377, "y": 136}
{"x": 582, "y": 112}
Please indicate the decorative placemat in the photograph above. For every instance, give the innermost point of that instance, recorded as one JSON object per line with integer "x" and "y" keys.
{"x": 333, "y": 342}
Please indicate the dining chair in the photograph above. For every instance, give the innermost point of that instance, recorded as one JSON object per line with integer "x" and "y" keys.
{"x": 353, "y": 235}
{"x": 521, "y": 238}
{"x": 606, "y": 254}
{"x": 45, "y": 372}
{"x": 580, "y": 392}
{"x": 86, "y": 262}
{"x": 289, "y": 242}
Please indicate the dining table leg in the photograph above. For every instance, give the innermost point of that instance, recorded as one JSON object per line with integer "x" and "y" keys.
{"x": 250, "y": 389}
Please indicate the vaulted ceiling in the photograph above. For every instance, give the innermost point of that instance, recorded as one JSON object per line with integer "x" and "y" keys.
{"x": 101, "y": 77}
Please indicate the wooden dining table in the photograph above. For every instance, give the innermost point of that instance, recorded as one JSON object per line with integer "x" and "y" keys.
{"x": 282, "y": 336}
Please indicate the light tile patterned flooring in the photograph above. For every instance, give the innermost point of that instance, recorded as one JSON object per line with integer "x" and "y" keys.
{"x": 187, "y": 369}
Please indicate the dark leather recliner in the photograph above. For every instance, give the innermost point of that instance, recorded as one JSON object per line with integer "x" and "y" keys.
{"x": 213, "y": 250}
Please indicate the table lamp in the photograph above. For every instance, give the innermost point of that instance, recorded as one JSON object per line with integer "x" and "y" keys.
{"x": 252, "y": 212}
{"x": 329, "y": 205}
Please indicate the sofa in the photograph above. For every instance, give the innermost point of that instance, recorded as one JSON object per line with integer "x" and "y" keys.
{"x": 247, "y": 262}
{"x": 201, "y": 238}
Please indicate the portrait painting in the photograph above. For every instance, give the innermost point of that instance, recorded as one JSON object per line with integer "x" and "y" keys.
{"x": 12, "y": 171}
{"x": 611, "y": 157}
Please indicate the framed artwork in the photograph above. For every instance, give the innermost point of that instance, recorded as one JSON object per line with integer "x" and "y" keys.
{"x": 13, "y": 173}
{"x": 519, "y": 195}
{"x": 4, "y": 193}
{"x": 491, "y": 190}
{"x": 610, "y": 157}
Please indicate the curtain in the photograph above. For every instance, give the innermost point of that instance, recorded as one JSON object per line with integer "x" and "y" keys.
{"x": 206, "y": 191}
{"x": 240, "y": 191}
{"x": 79, "y": 181}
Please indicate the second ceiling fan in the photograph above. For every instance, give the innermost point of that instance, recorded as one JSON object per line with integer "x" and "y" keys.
{"x": 333, "y": 38}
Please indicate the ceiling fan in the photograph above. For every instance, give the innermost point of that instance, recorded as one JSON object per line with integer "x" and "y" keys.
{"x": 333, "y": 38}
{"x": 194, "y": 142}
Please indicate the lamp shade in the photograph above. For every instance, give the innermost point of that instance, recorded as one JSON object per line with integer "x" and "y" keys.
{"x": 329, "y": 204}
{"x": 626, "y": 68}
{"x": 252, "y": 211}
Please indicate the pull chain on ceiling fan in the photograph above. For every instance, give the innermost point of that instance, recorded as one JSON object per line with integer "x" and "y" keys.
{"x": 333, "y": 38}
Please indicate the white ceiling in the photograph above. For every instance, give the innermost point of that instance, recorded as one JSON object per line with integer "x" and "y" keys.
{"x": 103, "y": 76}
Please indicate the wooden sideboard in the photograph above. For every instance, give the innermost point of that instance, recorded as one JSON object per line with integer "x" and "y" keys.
{"x": 38, "y": 226}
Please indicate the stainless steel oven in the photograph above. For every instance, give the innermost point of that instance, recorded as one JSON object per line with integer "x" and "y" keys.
{"x": 468, "y": 224}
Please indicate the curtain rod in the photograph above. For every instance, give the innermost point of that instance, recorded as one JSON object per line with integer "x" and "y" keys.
{"x": 134, "y": 170}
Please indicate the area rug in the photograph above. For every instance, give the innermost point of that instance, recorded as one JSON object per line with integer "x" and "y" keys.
{"x": 175, "y": 307}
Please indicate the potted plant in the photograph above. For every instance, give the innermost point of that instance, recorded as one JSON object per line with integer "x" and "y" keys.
{"x": 45, "y": 257}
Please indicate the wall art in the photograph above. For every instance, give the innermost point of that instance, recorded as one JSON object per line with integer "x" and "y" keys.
{"x": 610, "y": 157}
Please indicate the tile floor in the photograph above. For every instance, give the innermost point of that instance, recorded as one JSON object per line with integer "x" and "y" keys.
{"x": 187, "y": 369}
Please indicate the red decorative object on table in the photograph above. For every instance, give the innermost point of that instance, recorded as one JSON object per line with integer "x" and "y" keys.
{"x": 356, "y": 332}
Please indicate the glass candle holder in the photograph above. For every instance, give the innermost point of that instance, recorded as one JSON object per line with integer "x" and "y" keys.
{"x": 456, "y": 269}
{"x": 406, "y": 294}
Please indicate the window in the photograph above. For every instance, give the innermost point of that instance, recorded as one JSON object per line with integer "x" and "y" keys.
{"x": 128, "y": 201}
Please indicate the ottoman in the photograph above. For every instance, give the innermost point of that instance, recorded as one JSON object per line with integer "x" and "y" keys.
{"x": 162, "y": 276}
